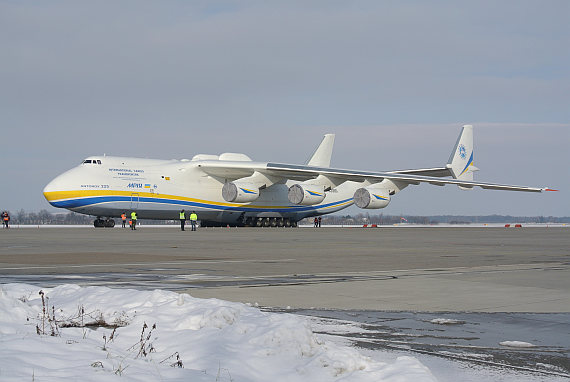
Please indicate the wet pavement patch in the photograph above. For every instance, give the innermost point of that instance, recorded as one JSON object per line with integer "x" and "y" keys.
{"x": 478, "y": 338}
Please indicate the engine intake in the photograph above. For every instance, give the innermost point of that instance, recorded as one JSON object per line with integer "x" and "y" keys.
{"x": 371, "y": 198}
{"x": 239, "y": 192}
{"x": 306, "y": 194}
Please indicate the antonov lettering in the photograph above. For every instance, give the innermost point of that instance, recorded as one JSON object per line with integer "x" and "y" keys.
{"x": 125, "y": 170}
{"x": 94, "y": 186}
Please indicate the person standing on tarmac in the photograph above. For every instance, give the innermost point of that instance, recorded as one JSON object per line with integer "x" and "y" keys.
{"x": 320, "y": 219}
{"x": 134, "y": 220}
{"x": 124, "y": 219}
{"x": 5, "y": 219}
{"x": 193, "y": 220}
{"x": 182, "y": 220}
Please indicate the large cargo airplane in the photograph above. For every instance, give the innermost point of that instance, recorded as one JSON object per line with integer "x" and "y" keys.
{"x": 232, "y": 189}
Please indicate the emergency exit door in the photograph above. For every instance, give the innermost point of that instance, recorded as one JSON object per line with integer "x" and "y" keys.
{"x": 134, "y": 200}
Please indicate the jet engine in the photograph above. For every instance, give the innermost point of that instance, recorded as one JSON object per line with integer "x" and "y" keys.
{"x": 240, "y": 192}
{"x": 306, "y": 194}
{"x": 371, "y": 198}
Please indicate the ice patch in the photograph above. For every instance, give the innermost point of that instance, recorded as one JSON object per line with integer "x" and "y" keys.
{"x": 517, "y": 344}
{"x": 446, "y": 321}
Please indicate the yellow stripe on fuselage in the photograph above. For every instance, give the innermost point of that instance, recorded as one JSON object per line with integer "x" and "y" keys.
{"x": 64, "y": 195}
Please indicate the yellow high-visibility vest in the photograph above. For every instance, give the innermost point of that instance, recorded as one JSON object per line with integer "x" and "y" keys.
{"x": 133, "y": 215}
{"x": 193, "y": 217}
{"x": 182, "y": 216}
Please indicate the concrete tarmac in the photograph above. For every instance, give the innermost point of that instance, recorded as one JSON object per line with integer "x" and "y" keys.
{"x": 388, "y": 268}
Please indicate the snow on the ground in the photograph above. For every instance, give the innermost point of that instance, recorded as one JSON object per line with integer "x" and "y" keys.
{"x": 446, "y": 321}
{"x": 446, "y": 370}
{"x": 517, "y": 344}
{"x": 215, "y": 340}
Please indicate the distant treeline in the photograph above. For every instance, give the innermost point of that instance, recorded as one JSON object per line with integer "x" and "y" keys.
{"x": 44, "y": 217}
{"x": 382, "y": 219}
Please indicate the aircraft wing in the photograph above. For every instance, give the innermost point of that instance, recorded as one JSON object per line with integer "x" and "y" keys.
{"x": 437, "y": 172}
{"x": 360, "y": 176}
{"x": 237, "y": 170}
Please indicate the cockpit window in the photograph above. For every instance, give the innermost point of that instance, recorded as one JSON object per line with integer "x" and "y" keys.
{"x": 93, "y": 161}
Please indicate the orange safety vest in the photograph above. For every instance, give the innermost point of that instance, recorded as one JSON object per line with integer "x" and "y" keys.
{"x": 123, "y": 216}
{"x": 6, "y": 218}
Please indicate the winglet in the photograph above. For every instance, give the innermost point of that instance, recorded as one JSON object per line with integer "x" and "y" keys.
{"x": 322, "y": 155}
{"x": 549, "y": 189}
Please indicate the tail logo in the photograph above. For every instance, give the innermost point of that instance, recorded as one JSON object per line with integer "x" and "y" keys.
{"x": 462, "y": 151}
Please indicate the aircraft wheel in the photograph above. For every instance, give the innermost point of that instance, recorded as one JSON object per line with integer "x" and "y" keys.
{"x": 273, "y": 222}
{"x": 293, "y": 224}
{"x": 99, "y": 223}
{"x": 280, "y": 222}
{"x": 259, "y": 223}
{"x": 109, "y": 223}
{"x": 266, "y": 223}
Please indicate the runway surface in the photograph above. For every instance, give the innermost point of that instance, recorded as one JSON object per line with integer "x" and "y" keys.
{"x": 411, "y": 269}
{"x": 433, "y": 293}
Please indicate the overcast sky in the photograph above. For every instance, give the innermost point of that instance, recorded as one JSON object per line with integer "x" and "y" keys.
{"x": 395, "y": 80}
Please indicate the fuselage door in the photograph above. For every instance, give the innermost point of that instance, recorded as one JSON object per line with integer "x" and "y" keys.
{"x": 134, "y": 200}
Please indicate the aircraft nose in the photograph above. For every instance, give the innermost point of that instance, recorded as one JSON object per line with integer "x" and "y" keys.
{"x": 54, "y": 189}
{"x": 51, "y": 189}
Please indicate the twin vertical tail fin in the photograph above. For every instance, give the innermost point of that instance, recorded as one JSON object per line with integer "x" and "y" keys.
{"x": 461, "y": 160}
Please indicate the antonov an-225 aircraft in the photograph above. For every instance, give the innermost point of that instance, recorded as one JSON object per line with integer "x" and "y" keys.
{"x": 232, "y": 189}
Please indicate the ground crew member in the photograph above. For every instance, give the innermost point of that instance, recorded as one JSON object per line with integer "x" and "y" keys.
{"x": 134, "y": 220}
{"x": 193, "y": 220}
{"x": 320, "y": 219}
{"x": 316, "y": 222}
{"x": 182, "y": 220}
{"x": 124, "y": 219}
{"x": 5, "y": 219}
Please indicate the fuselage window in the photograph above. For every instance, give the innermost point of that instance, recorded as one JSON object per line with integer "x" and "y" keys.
{"x": 87, "y": 161}
{"x": 98, "y": 161}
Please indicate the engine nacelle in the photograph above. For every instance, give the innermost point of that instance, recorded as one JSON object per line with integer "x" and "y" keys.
{"x": 371, "y": 198}
{"x": 306, "y": 194}
{"x": 240, "y": 192}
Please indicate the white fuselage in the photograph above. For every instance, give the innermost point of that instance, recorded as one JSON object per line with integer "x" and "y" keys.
{"x": 158, "y": 189}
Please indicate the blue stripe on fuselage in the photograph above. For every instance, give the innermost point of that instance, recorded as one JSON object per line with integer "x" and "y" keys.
{"x": 83, "y": 202}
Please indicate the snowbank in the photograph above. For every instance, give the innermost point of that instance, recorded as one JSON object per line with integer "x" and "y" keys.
{"x": 213, "y": 340}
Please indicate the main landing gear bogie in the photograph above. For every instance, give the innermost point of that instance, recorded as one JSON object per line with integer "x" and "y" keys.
{"x": 270, "y": 222}
{"x": 104, "y": 223}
